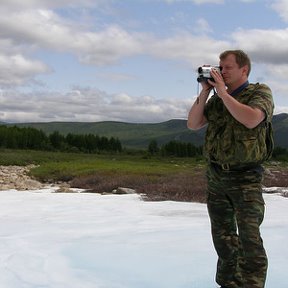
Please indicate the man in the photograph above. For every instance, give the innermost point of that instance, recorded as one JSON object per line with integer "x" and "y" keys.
{"x": 235, "y": 146}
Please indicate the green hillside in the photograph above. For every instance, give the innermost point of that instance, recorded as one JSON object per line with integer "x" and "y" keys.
{"x": 139, "y": 135}
{"x": 131, "y": 135}
{"x": 280, "y": 127}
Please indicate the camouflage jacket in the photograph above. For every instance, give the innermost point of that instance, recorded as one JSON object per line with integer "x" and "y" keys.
{"x": 227, "y": 141}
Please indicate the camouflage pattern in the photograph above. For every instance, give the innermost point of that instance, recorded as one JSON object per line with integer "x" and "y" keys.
{"x": 227, "y": 140}
{"x": 234, "y": 194}
{"x": 236, "y": 209}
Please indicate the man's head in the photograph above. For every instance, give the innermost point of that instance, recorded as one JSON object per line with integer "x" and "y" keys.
{"x": 241, "y": 58}
{"x": 235, "y": 67}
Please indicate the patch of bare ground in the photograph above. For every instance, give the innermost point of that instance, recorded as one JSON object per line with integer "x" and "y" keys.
{"x": 16, "y": 177}
{"x": 178, "y": 187}
{"x": 276, "y": 176}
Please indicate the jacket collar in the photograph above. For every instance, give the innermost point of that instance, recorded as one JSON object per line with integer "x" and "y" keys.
{"x": 240, "y": 88}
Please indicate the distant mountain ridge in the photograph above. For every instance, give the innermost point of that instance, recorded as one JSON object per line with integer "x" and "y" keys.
{"x": 139, "y": 135}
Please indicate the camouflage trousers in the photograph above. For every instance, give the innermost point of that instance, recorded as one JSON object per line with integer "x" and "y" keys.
{"x": 236, "y": 210}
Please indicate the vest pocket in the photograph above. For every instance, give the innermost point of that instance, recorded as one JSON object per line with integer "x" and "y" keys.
{"x": 248, "y": 146}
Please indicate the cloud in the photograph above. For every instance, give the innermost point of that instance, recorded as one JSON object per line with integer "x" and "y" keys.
{"x": 189, "y": 48}
{"x": 33, "y": 25}
{"x": 32, "y": 29}
{"x": 28, "y": 4}
{"x": 45, "y": 29}
{"x": 266, "y": 46}
{"x": 37, "y": 28}
{"x": 109, "y": 46}
{"x": 276, "y": 76}
{"x": 197, "y": 1}
{"x": 202, "y": 26}
{"x": 87, "y": 104}
{"x": 268, "y": 51}
{"x": 115, "y": 77}
{"x": 16, "y": 69}
{"x": 248, "y": 1}
{"x": 281, "y": 7}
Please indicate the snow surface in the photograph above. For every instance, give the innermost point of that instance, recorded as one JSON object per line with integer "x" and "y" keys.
{"x": 75, "y": 240}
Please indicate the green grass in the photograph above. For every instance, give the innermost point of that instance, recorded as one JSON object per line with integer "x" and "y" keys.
{"x": 56, "y": 166}
{"x": 26, "y": 157}
{"x": 177, "y": 179}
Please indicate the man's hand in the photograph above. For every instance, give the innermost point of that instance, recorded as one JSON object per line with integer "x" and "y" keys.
{"x": 246, "y": 115}
{"x": 218, "y": 82}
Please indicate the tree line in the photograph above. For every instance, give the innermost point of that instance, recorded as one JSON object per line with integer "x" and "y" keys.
{"x": 183, "y": 149}
{"x": 30, "y": 138}
{"x": 13, "y": 137}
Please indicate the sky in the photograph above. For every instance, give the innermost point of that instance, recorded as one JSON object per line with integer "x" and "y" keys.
{"x": 130, "y": 60}
{"x": 86, "y": 240}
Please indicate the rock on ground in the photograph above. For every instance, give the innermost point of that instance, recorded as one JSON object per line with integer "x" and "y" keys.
{"x": 15, "y": 177}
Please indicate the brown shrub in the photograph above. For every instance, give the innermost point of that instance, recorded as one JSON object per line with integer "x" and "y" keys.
{"x": 276, "y": 177}
{"x": 177, "y": 187}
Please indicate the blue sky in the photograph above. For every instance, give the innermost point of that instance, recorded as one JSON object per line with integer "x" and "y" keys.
{"x": 130, "y": 60}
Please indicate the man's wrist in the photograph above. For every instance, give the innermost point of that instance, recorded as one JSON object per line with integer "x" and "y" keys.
{"x": 206, "y": 90}
{"x": 224, "y": 95}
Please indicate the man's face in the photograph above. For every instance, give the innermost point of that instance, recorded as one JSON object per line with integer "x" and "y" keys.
{"x": 231, "y": 72}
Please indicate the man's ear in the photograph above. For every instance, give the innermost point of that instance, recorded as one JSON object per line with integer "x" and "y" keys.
{"x": 245, "y": 70}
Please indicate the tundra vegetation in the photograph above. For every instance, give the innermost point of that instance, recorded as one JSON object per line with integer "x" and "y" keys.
{"x": 174, "y": 171}
{"x": 156, "y": 177}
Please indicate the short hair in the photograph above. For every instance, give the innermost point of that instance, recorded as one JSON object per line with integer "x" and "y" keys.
{"x": 241, "y": 57}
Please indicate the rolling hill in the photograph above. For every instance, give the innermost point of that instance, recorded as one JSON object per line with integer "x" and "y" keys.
{"x": 139, "y": 135}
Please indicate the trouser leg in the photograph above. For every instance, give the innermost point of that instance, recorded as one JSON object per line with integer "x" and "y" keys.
{"x": 225, "y": 240}
{"x": 253, "y": 262}
{"x": 236, "y": 207}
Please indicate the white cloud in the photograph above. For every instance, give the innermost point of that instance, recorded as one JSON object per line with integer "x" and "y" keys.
{"x": 187, "y": 47}
{"x": 29, "y": 30}
{"x": 108, "y": 46}
{"x": 249, "y": 1}
{"x": 197, "y": 1}
{"x": 266, "y": 46}
{"x": 84, "y": 104}
{"x": 276, "y": 77}
{"x": 27, "y": 4}
{"x": 88, "y": 104}
{"x": 208, "y": 1}
{"x": 115, "y": 77}
{"x": 16, "y": 69}
{"x": 281, "y": 109}
{"x": 32, "y": 26}
{"x": 203, "y": 26}
{"x": 40, "y": 28}
{"x": 44, "y": 29}
{"x": 281, "y": 6}
{"x": 47, "y": 30}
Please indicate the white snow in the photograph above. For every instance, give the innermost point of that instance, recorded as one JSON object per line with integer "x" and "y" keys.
{"x": 75, "y": 240}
